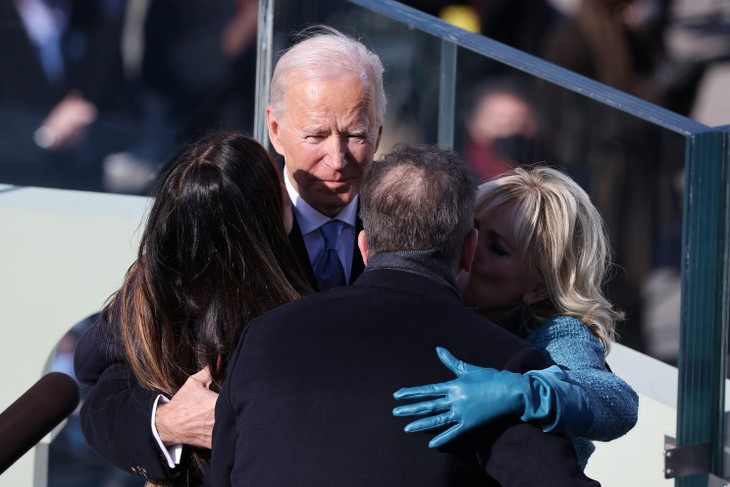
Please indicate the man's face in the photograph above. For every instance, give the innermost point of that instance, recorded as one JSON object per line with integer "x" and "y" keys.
{"x": 328, "y": 136}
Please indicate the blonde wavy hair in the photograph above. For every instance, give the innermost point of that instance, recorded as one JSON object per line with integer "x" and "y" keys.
{"x": 562, "y": 238}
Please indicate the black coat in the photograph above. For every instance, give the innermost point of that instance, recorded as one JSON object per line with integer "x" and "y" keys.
{"x": 116, "y": 413}
{"x": 308, "y": 397}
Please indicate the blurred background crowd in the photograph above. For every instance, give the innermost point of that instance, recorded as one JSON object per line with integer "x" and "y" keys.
{"x": 96, "y": 94}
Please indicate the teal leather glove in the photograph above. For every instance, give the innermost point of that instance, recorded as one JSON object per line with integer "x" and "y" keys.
{"x": 480, "y": 395}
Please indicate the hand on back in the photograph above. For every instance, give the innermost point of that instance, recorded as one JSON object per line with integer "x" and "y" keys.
{"x": 189, "y": 417}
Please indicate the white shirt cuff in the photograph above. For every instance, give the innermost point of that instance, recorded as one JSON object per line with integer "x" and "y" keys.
{"x": 172, "y": 453}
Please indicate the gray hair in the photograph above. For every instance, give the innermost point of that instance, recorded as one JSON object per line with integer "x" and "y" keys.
{"x": 418, "y": 197}
{"x": 325, "y": 53}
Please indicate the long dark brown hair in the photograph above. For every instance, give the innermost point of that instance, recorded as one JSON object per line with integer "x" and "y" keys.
{"x": 214, "y": 255}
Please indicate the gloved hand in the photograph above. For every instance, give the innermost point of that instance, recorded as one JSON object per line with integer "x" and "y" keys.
{"x": 477, "y": 396}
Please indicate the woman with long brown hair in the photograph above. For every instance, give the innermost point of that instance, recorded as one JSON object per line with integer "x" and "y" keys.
{"x": 214, "y": 254}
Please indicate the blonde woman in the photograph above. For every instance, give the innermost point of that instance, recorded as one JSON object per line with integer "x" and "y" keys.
{"x": 540, "y": 263}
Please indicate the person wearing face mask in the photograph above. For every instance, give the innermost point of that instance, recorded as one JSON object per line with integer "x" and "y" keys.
{"x": 503, "y": 130}
{"x": 538, "y": 270}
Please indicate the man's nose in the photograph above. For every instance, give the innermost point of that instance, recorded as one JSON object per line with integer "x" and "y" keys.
{"x": 336, "y": 153}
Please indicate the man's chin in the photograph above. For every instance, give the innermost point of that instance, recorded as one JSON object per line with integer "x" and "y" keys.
{"x": 331, "y": 203}
{"x": 338, "y": 187}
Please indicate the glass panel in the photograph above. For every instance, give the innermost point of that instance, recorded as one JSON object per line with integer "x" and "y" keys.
{"x": 632, "y": 169}
{"x": 631, "y": 156}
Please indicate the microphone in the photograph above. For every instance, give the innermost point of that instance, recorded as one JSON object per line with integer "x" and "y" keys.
{"x": 34, "y": 414}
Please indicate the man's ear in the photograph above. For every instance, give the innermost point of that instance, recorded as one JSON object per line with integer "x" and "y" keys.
{"x": 467, "y": 251}
{"x": 274, "y": 127}
{"x": 377, "y": 141}
{"x": 362, "y": 244}
{"x": 462, "y": 268}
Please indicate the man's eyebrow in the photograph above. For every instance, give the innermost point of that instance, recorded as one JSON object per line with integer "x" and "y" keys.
{"x": 312, "y": 129}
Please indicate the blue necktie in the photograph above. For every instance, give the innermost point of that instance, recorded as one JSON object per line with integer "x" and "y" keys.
{"x": 327, "y": 266}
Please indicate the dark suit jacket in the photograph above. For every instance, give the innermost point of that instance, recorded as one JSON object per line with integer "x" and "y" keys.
{"x": 308, "y": 397}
